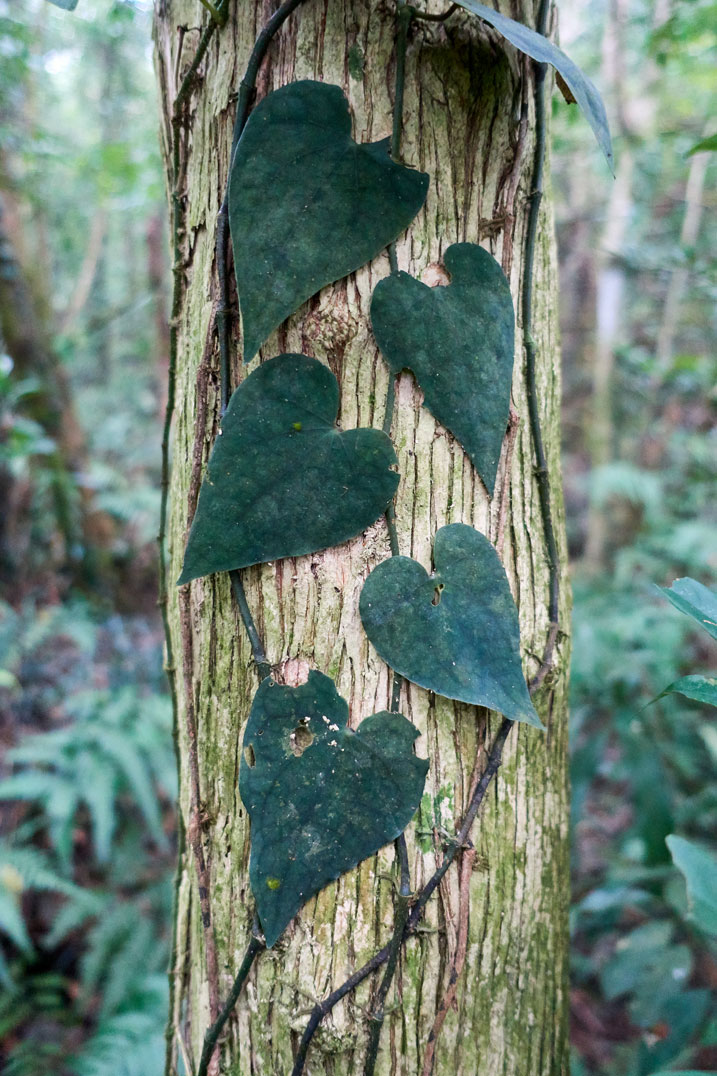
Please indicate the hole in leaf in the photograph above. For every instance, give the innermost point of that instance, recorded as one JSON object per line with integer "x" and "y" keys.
{"x": 249, "y": 756}
{"x": 437, "y": 594}
{"x": 301, "y": 738}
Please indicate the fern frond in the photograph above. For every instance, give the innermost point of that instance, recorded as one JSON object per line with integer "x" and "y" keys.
{"x": 11, "y": 920}
{"x": 131, "y": 1042}
{"x": 129, "y": 761}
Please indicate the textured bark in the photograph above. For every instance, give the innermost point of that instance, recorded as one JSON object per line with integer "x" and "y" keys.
{"x": 464, "y": 98}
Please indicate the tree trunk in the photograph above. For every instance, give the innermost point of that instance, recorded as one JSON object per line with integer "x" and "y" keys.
{"x": 465, "y": 96}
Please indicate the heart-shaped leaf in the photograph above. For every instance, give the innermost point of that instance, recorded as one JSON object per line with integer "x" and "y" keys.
{"x": 544, "y": 51}
{"x": 282, "y": 480}
{"x": 454, "y": 632}
{"x": 458, "y": 341}
{"x": 320, "y": 797}
{"x": 307, "y": 205}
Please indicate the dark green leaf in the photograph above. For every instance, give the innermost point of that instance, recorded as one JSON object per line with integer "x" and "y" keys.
{"x": 66, "y": 5}
{"x": 707, "y": 145}
{"x": 307, "y": 205}
{"x": 282, "y": 480}
{"x": 700, "y": 870}
{"x": 458, "y": 341}
{"x": 465, "y": 646}
{"x": 320, "y": 796}
{"x": 544, "y": 51}
{"x": 699, "y": 688}
{"x": 695, "y": 600}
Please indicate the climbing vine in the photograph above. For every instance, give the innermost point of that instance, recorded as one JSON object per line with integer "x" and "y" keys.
{"x": 282, "y": 480}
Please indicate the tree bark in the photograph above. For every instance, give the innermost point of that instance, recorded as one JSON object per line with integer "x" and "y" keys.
{"x": 469, "y": 122}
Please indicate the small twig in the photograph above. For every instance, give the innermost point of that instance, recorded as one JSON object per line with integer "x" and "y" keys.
{"x": 510, "y": 187}
{"x": 256, "y": 946}
{"x": 187, "y": 84}
{"x": 323, "y": 1008}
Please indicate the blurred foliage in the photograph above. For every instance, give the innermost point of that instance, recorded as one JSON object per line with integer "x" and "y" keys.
{"x": 87, "y": 785}
{"x": 644, "y": 967}
{"x": 81, "y": 180}
{"x": 86, "y": 862}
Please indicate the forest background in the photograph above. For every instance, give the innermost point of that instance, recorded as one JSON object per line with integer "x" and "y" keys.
{"x": 87, "y": 778}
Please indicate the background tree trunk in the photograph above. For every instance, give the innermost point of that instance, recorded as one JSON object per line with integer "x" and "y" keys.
{"x": 469, "y": 118}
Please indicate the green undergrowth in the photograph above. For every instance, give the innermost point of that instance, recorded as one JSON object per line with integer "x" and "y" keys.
{"x": 86, "y": 845}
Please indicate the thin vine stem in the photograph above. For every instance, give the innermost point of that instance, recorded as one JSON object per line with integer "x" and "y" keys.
{"x": 263, "y": 668}
{"x": 256, "y": 946}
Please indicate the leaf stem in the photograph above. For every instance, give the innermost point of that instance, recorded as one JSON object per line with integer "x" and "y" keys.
{"x": 256, "y": 946}
{"x": 263, "y": 667}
